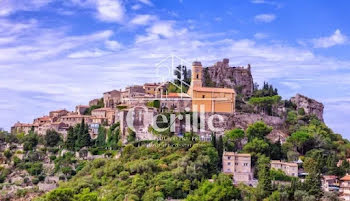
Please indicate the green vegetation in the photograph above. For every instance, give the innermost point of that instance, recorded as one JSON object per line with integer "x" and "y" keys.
{"x": 100, "y": 104}
{"x": 154, "y": 103}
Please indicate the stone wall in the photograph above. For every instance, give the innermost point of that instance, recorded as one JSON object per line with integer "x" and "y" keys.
{"x": 222, "y": 75}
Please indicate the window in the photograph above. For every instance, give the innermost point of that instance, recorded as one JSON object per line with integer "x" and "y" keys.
{"x": 229, "y": 157}
{"x": 197, "y": 76}
{"x": 245, "y": 164}
{"x": 203, "y": 96}
{"x": 236, "y": 163}
{"x": 228, "y": 163}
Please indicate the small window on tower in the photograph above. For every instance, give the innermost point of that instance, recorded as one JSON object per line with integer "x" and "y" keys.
{"x": 203, "y": 96}
{"x": 197, "y": 76}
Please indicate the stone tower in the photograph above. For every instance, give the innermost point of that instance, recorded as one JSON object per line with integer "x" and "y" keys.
{"x": 196, "y": 74}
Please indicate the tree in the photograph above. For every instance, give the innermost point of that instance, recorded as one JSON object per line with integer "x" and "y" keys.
{"x": 30, "y": 141}
{"x": 256, "y": 147}
{"x": 313, "y": 179}
{"x": 264, "y": 186}
{"x": 299, "y": 139}
{"x": 220, "y": 149}
{"x": 258, "y": 130}
{"x": 101, "y": 138}
{"x": 233, "y": 139}
{"x": 52, "y": 138}
{"x": 84, "y": 139}
{"x": 71, "y": 139}
{"x": 221, "y": 190}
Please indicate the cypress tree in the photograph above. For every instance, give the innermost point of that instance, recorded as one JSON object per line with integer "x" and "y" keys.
{"x": 71, "y": 138}
{"x": 264, "y": 186}
{"x": 84, "y": 138}
{"x": 101, "y": 138}
{"x": 220, "y": 148}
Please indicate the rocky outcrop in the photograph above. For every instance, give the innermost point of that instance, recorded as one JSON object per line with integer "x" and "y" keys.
{"x": 310, "y": 106}
{"x": 222, "y": 75}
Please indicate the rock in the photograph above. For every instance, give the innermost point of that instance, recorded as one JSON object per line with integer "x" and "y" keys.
{"x": 310, "y": 106}
{"x": 222, "y": 75}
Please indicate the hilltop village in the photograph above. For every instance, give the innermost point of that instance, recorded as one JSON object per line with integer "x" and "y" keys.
{"x": 263, "y": 143}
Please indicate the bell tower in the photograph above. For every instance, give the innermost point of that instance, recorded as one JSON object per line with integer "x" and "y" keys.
{"x": 196, "y": 74}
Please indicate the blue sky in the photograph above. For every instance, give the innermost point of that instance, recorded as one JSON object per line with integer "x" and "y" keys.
{"x": 60, "y": 53}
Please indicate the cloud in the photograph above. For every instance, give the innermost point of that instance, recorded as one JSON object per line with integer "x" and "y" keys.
{"x": 136, "y": 7}
{"x": 142, "y": 19}
{"x": 147, "y": 2}
{"x": 337, "y": 38}
{"x": 160, "y": 29}
{"x": 113, "y": 45}
{"x": 68, "y": 70}
{"x": 266, "y": 18}
{"x": 260, "y": 35}
{"x": 105, "y": 10}
{"x": 87, "y": 54}
{"x": 110, "y": 10}
{"x": 8, "y": 7}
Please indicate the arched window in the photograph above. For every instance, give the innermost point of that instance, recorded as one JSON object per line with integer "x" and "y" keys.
{"x": 197, "y": 76}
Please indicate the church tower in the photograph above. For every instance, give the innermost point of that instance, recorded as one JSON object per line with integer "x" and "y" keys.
{"x": 196, "y": 74}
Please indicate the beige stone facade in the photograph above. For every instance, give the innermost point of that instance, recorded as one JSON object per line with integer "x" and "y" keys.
{"x": 239, "y": 165}
{"x": 155, "y": 88}
{"x": 291, "y": 169}
{"x": 22, "y": 127}
{"x": 81, "y": 109}
{"x": 112, "y": 98}
{"x": 215, "y": 100}
{"x": 106, "y": 113}
{"x": 72, "y": 120}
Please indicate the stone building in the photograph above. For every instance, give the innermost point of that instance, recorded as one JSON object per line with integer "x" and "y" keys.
{"x": 345, "y": 188}
{"x": 57, "y": 114}
{"x": 22, "y": 127}
{"x": 221, "y": 100}
{"x": 155, "y": 88}
{"x": 72, "y": 120}
{"x": 141, "y": 119}
{"x": 43, "y": 120}
{"x": 291, "y": 169}
{"x": 176, "y": 102}
{"x": 106, "y": 113}
{"x": 112, "y": 98}
{"x": 93, "y": 102}
{"x": 222, "y": 75}
{"x": 238, "y": 165}
{"x": 81, "y": 109}
{"x": 330, "y": 183}
{"x": 132, "y": 92}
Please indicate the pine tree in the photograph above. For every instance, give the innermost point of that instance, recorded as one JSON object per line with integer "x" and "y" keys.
{"x": 71, "y": 138}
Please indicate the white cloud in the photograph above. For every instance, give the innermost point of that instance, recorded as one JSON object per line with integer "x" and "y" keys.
{"x": 136, "y": 7}
{"x": 265, "y": 18}
{"x": 87, "y": 54}
{"x": 113, "y": 45}
{"x": 147, "y": 2}
{"x": 143, "y": 19}
{"x": 260, "y": 35}
{"x": 8, "y": 7}
{"x": 337, "y": 38}
{"x": 110, "y": 10}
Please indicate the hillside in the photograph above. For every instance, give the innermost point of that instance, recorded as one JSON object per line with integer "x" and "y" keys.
{"x": 113, "y": 162}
